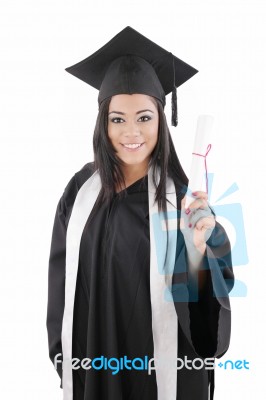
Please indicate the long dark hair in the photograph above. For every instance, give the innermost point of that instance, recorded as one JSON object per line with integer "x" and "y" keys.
{"x": 163, "y": 157}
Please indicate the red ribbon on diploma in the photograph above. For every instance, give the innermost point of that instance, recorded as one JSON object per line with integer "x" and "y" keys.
{"x": 205, "y": 162}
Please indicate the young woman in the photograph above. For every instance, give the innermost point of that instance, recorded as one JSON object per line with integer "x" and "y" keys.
{"x": 126, "y": 295}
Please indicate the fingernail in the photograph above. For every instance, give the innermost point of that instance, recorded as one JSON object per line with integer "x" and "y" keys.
{"x": 194, "y": 193}
{"x": 190, "y": 225}
{"x": 187, "y": 211}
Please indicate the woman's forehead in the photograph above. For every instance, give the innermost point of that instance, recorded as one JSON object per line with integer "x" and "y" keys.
{"x": 132, "y": 102}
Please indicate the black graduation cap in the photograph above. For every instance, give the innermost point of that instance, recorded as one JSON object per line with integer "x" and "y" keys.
{"x": 131, "y": 63}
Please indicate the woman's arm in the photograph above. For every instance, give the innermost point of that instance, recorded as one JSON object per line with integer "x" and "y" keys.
{"x": 56, "y": 269}
{"x": 56, "y": 285}
{"x": 202, "y": 296}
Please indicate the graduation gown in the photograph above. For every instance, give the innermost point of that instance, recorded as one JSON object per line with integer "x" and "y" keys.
{"x": 112, "y": 310}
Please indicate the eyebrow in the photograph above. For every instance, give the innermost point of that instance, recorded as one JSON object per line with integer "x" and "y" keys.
{"x": 121, "y": 113}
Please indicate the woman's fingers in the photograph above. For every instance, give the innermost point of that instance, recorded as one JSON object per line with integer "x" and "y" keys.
{"x": 198, "y": 194}
{"x": 201, "y": 201}
{"x": 198, "y": 215}
{"x": 201, "y": 194}
{"x": 197, "y": 222}
{"x": 205, "y": 223}
{"x": 198, "y": 203}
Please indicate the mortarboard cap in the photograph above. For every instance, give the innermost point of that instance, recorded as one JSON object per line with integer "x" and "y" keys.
{"x": 131, "y": 63}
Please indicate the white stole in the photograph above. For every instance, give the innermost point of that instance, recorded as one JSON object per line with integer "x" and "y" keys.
{"x": 164, "y": 317}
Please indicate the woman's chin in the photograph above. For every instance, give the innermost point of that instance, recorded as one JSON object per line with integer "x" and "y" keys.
{"x": 133, "y": 160}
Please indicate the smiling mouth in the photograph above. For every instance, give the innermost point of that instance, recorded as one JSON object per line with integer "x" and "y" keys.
{"x": 132, "y": 145}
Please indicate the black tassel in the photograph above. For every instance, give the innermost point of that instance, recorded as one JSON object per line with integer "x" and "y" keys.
{"x": 174, "y": 107}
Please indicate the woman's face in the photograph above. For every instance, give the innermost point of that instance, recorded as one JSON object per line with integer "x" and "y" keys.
{"x": 133, "y": 122}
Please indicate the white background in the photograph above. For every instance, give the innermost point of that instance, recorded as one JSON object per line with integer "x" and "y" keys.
{"x": 47, "y": 123}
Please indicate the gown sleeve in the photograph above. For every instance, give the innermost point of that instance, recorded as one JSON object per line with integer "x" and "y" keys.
{"x": 205, "y": 315}
{"x": 56, "y": 275}
{"x": 56, "y": 267}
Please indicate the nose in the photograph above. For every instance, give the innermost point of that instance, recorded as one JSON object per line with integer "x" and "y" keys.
{"x": 132, "y": 129}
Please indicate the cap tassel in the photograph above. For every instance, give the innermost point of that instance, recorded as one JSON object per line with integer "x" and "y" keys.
{"x": 174, "y": 96}
{"x": 174, "y": 107}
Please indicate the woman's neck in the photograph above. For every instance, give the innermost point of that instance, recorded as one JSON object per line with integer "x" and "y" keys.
{"x": 132, "y": 173}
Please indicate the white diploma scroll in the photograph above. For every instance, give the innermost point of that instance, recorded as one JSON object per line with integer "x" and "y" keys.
{"x": 197, "y": 177}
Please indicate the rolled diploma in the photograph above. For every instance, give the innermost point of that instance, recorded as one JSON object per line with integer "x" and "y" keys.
{"x": 197, "y": 169}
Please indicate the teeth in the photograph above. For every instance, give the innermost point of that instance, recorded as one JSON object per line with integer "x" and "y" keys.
{"x": 133, "y": 145}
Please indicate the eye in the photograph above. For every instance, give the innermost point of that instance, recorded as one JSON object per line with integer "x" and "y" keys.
{"x": 115, "y": 119}
{"x": 146, "y": 116}
{"x": 118, "y": 120}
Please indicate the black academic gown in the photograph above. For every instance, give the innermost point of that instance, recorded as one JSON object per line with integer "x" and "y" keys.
{"x": 112, "y": 310}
